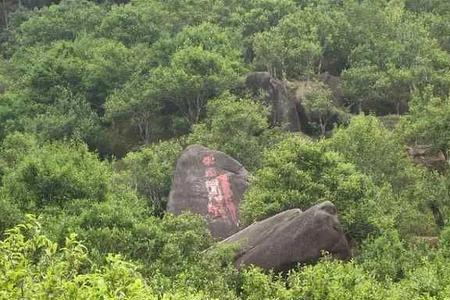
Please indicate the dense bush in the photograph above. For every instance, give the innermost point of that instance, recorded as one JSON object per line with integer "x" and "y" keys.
{"x": 150, "y": 170}
{"x": 298, "y": 173}
{"x": 234, "y": 126}
{"x": 36, "y": 268}
{"x": 55, "y": 173}
{"x": 380, "y": 153}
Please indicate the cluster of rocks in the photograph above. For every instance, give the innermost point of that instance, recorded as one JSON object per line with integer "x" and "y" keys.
{"x": 212, "y": 184}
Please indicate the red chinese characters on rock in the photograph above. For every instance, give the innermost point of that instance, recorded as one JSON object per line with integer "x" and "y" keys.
{"x": 220, "y": 195}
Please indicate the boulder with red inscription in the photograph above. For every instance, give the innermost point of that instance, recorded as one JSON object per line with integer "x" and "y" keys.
{"x": 211, "y": 184}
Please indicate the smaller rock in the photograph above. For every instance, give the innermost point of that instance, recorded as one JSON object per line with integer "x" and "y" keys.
{"x": 259, "y": 80}
{"x": 291, "y": 237}
{"x": 428, "y": 156}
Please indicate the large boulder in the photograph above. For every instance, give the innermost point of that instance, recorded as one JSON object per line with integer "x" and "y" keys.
{"x": 291, "y": 237}
{"x": 211, "y": 184}
{"x": 286, "y": 97}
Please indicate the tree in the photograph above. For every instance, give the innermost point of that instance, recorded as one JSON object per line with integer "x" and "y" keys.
{"x": 90, "y": 67}
{"x": 298, "y": 173}
{"x": 320, "y": 106}
{"x": 234, "y": 126}
{"x": 210, "y": 37}
{"x": 378, "y": 152}
{"x": 282, "y": 53}
{"x": 167, "y": 98}
{"x": 193, "y": 77}
{"x": 150, "y": 172}
{"x": 386, "y": 70}
{"x": 64, "y": 21}
{"x": 137, "y": 106}
{"x": 63, "y": 94}
{"x": 55, "y": 173}
{"x": 5, "y": 14}
{"x": 428, "y": 122}
{"x": 255, "y": 17}
{"x": 136, "y": 22}
{"x": 305, "y": 43}
{"x": 69, "y": 116}
{"x": 174, "y": 94}
{"x": 375, "y": 150}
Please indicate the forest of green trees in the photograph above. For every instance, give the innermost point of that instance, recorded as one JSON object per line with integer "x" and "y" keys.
{"x": 99, "y": 98}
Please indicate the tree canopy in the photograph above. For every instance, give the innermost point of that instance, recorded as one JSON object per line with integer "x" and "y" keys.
{"x": 98, "y": 99}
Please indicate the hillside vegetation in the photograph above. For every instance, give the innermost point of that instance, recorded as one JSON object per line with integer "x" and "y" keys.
{"x": 99, "y": 98}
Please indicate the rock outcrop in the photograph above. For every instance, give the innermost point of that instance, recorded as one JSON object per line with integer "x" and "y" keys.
{"x": 286, "y": 97}
{"x": 429, "y": 157}
{"x": 291, "y": 237}
{"x": 211, "y": 184}
{"x": 256, "y": 81}
{"x": 286, "y": 111}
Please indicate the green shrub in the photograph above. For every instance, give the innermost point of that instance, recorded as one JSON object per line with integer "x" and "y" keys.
{"x": 234, "y": 126}
{"x": 150, "y": 171}
{"x": 378, "y": 152}
{"x": 33, "y": 267}
{"x": 56, "y": 173}
{"x": 300, "y": 173}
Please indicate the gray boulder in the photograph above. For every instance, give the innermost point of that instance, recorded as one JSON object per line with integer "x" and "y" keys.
{"x": 285, "y": 108}
{"x": 211, "y": 184}
{"x": 259, "y": 80}
{"x": 291, "y": 237}
{"x": 428, "y": 156}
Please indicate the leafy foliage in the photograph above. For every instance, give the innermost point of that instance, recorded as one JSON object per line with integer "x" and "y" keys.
{"x": 99, "y": 98}
{"x": 298, "y": 174}
{"x": 35, "y": 267}
{"x": 149, "y": 171}
{"x": 234, "y": 126}
{"x": 55, "y": 173}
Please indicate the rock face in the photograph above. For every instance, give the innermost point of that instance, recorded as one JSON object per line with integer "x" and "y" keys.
{"x": 286, "y": 97}
{"x": 286, "y": 111}
{"x": 291, "y": 237}
{"x": 431, "y": 158}
{"x": 259, "y": 80}
{"x": 211, "y": 184}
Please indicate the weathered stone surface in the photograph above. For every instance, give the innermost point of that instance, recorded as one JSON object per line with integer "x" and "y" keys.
{"x": 428, "y": 156}
{"x": 259, "y": 80}
{"x": 286, "y": 97}
{"x": 291, "y": 237}
{"x": 211, "y": 184}
{"x": 286, "y": 110}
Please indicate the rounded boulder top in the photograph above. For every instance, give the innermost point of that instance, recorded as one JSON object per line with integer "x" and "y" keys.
{"x": 209, "y": 183}
{"x": 291, "y": 237}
